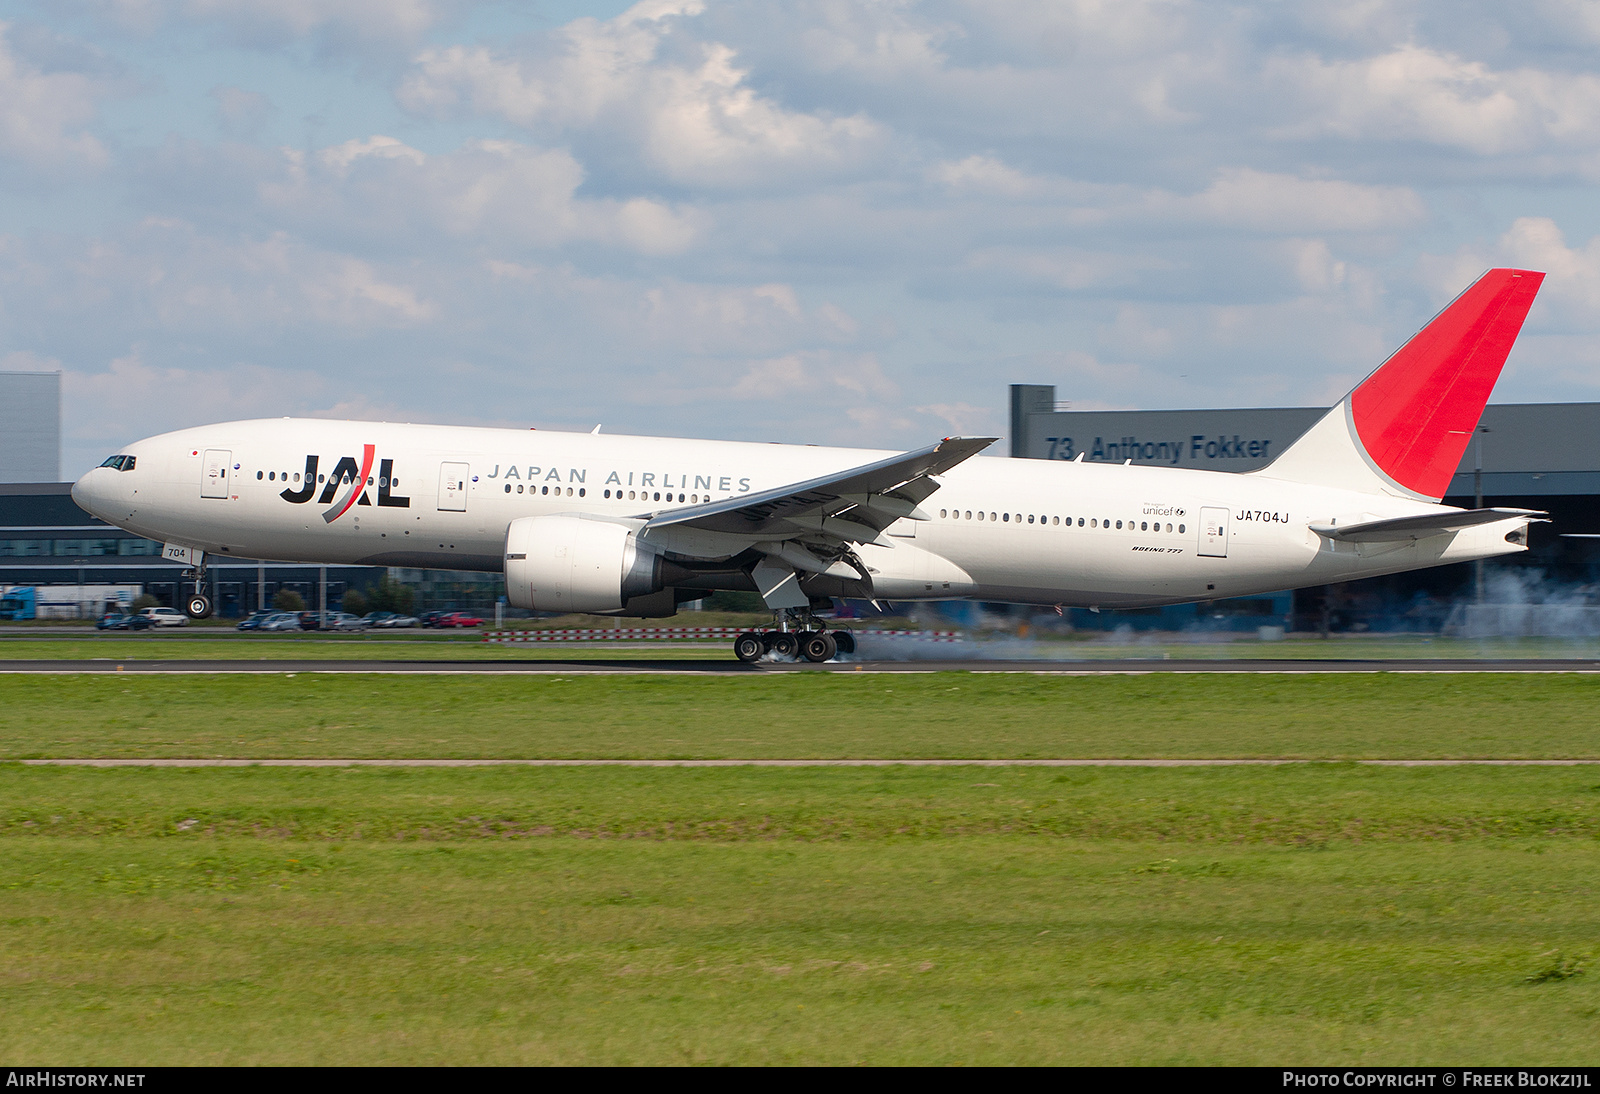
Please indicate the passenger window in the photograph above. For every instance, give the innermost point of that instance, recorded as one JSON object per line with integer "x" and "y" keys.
{"x": 1169, "y": 527}
{"x": 1180, "y": 527}
{"x": 969, "y": 514}
{"x": 1119, "y": 524}
{"x": 980, "y": 514}
{"x": 1093, "y": 523}
{"x": 1030, "y": 518}
{"x": 1005, "y": 516}
{"x": 1143, "y": 527}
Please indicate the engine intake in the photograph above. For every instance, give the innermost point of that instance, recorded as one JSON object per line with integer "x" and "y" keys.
{"x": 574, "y": 564}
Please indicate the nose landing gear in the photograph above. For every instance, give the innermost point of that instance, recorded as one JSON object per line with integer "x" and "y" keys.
{"x": 198, "y": 605}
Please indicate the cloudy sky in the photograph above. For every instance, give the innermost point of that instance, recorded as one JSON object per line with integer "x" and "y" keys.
{"x": 835, "y": 221}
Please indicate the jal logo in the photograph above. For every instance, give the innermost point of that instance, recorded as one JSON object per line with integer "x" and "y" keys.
{"x": 346, "y": 485}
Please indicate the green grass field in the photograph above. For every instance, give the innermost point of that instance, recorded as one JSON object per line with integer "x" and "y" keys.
{"x": 802, "y": 715}
{"x": 1321, "y": 914}
{"x": 1312, "y": 913}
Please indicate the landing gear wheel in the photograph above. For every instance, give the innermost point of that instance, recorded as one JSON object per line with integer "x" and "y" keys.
{"x": 198, "y": 606}
{"x": 844, "y": 640}
{"x": 818, "y": 646}
{"x": 748, "y": 647}
{"x": 783, "y": 644}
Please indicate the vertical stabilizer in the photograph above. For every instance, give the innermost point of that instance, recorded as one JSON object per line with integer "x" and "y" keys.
{"x": 1404, "y": 429}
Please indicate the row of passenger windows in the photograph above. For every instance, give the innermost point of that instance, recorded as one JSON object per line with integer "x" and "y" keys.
{"x": 649, "y": 495}
{"x": 546, "y": 490}
{"x": 633, "y": 495}
{"x": 1083, "y": 522}
{"x": 275, "y": 476}
{"x": 78, "y": 548}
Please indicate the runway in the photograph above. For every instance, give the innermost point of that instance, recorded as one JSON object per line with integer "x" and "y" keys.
{"x": 730, "y": 667}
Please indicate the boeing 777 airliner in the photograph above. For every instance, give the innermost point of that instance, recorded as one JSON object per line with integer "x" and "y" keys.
{"x": 636, "y": 525}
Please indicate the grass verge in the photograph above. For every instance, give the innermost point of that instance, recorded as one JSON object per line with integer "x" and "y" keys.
{"x": 1327, "y": 914}
{"x": 801, "y": 715}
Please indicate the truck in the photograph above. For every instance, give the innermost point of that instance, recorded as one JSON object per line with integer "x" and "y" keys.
{"x": 18, "y": 602}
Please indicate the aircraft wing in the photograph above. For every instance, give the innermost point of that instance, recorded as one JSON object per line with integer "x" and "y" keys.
{"x": 853, "y": 505}
{"x": 1429, "y": 524}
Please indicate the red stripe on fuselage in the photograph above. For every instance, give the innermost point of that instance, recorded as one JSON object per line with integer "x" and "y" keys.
{"x": 360, "y": 483}
{"x": 1417, "y": 412}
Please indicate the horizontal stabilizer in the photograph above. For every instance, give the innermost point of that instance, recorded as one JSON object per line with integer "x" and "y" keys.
{"x": 1429, "y": 524}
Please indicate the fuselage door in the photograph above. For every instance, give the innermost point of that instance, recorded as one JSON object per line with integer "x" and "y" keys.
{"x": 453, "y": 488}
{"x": 1213, "y": 533}
{"x": 214, "y": 473}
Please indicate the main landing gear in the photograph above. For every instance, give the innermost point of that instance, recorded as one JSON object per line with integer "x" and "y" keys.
{"x": 813, "y": 642}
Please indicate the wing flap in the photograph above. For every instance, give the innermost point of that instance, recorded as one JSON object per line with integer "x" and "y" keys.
{"x": 1398, "y": 529}
{"x": 856, "y": 503}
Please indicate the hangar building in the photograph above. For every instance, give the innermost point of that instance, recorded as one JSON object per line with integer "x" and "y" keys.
{"x": 1542, "y": 456}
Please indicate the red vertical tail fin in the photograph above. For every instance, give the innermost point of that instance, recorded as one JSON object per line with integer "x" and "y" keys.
{"x": 1404, "y": 429}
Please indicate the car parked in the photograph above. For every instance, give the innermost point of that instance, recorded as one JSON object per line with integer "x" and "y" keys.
{"x": 165, "y": 617}
{"x": 430, "y": 619}
{"x": 390, "y": 619}
{"x": 458, "y": 619}
{"x": 280, "y": 621}
{"x": 343, "y": 621}
{"x": 253, "y": 621}
{"x": 120, "y": 621}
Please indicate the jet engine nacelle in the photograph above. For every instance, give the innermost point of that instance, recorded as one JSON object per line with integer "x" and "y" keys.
{"x": 574, "y": 564}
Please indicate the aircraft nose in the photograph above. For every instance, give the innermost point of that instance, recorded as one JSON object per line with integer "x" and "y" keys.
{"x": 89, "y": 492}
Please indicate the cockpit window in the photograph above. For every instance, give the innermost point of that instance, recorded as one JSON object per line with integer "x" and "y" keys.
{"x": 121, "y": 463}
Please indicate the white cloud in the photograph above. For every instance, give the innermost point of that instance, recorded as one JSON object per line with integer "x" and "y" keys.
{"x": 101, "y": 402}
{"x": 496, "y": 193}
{"x": 985, "y": 175}
{"x": 853, "y": 378}
{"x": 1257, "y": 200}
{"x": 690, "y": 119}
{"x": 1415, "y": 93}
{"x": 167, "y": 276}
{"x": 1570, "y": 294}
{"x": 43, "y": 115}
{"x": 336, "y": 25}
{"x": 241, "y": 113}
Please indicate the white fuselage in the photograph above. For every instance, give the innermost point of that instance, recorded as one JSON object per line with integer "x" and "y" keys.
{"x": 1026, "y": 531}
